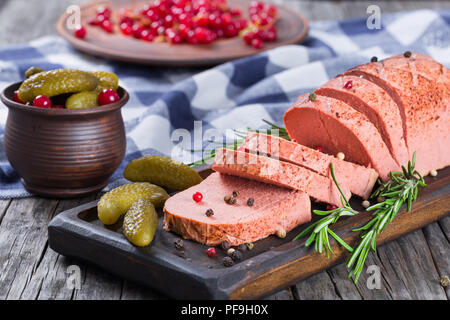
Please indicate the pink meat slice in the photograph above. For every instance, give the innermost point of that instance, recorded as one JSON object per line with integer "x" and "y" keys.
{"x": 280, "y": 173}
{"x": 421, "y": 89}
{"x": 358, "y": 179}
{"x": 337, "y": 127}
{"x": 273, "y": 208}
{"x": 377, "y": 105}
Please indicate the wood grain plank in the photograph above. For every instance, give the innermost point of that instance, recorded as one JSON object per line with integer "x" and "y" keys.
{"x": 281, "y": 295}
{"x": 439, "y": 248}
{"x": 4, "y": 205}
{"x": 49, "y": 280}
{"x": 133, "y": 291}
{"x": 23, "y": 240}
{"x": 98, "y": 284}
{"x": 445, "y": 226}
{"x": 409, "y": 265}
{"x": 317, "y": 287}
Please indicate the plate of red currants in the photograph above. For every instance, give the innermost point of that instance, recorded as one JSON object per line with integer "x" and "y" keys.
{"x": 181, "y": 32}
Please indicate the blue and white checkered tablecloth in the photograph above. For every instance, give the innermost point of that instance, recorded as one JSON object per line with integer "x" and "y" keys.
{"x": 235, "y": 95}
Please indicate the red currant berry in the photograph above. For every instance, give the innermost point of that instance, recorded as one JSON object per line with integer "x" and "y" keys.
{"x": 42, "y": 102}
{"x": 210, "y": 252}
{"x": 231, "y": 30}
{"x": 100, "y": 19}
{"x": 17, "y": 99}
{"x": 153, "y": 15}
{"x": 202, "y": 19}
{"x": 185, "y": 19}
{"x": 204, "y": 35}
{"x": 241, "y": 24}
{"x": 168, "y": 21}
{"x": 104, "y": 11}
{"x": 126, "y": 29}
{"x": 108, "y": 96}
{"x": 236, "y": 12}
{"x": 137, "y": 30}
{"x": 226, "y": 19}
{"x": 107, "y": 26}
{"x": 248, "y": 37}
{"x": 348, "y": 85}
{"x": 198, "y": 197}
{"x": 147, "y": 35}
{"x": 80, "y": 32}
{"x": 257, "y": 43}
{"x": 126, "y": 20}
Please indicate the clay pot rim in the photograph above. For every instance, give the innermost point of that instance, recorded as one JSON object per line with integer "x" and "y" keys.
{"x": 61, "y": 112}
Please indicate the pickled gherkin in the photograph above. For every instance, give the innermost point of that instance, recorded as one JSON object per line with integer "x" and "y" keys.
{"x": 106, "y": 80}
{"x": 56, "y": 82}
{"x": 115, "y": 203}
{"x": 32, "y": 71}
{"x": 82, "y": 100}
{"x": 162, "y": 171}
{"x": 140, "y": 223}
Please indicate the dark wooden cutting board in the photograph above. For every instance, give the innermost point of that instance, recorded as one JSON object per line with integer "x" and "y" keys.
{"x": 272, "y": 265}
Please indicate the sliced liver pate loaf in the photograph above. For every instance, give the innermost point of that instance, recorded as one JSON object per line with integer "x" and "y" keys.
{"x": 280, "y": 173}
{"x": 421, "y": 88}
{"x": 273, "y": 208}
{"x": 377, "y": 105}
{"x": 337, "y": 127}
{"x": 358, "y": 179}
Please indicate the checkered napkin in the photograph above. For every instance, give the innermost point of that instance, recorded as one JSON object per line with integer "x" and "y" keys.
{"x": 235, "y": 95}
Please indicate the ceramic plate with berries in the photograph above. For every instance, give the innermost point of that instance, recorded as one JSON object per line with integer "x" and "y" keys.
{"x": 181, "y": 32}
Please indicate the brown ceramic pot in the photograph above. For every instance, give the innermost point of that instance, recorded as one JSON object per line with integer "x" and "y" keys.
{"x": 64, "y": 153}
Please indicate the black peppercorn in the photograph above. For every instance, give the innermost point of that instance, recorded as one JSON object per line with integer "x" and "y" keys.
{"x": 179, "y": 244}
{"x": 227, "y": 261}
{"x": 235, "y": 194}
{"x": 312, "y": 97}
{"x": 242, "y": 247}
{"x": 250, "y": 202}
{"x": 225, "y": 245}
{"x": 209, "y": 212}
{"x": 407, "y": 54}
{"x": 236, "y": 256}
{"x": 374, "y": 59}
{"x": 232, "y": 200}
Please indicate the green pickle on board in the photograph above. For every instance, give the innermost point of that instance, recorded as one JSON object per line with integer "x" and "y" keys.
{"x": 162, "y": 171}
{"x": 82, "y": 100}
{"x": 32, "y": 71}
{"x": 115, "y": 203}
{"x": 106, "y": 80}
{"x": 140, "y": 223}
{"x": 56, "y": 82}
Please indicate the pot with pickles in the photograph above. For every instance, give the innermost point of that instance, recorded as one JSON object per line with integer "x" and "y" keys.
{"x": 65, "y": 134}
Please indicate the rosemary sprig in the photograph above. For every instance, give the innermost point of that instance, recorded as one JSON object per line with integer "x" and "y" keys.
{"x": 402, "y": 188}
{"x": 321, "y": 228}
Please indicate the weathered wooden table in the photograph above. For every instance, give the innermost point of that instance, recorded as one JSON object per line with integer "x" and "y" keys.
{"x": 410, "y": 266}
